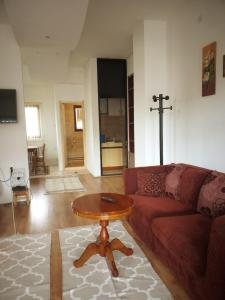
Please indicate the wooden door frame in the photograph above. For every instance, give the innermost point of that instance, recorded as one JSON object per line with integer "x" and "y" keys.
{"x": 62, "y": 132}
{"x": 62, "y": 129}
{"x": 131, "y": 76}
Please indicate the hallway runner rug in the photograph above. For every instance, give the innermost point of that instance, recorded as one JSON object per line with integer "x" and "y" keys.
{"x": 25, "y": 267}
{"x": 137, "y": 279}
{"x": 63, "y": 184}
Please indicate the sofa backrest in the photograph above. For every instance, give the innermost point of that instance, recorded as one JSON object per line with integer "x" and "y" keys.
{"x": 130, "y": 176}
{"x": 191, "y": 181}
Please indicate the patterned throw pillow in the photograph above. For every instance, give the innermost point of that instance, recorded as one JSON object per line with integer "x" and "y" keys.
{"x": 172, "y": 184}
{"x": 211, "y": 199}
{"x": 151, "y": 183}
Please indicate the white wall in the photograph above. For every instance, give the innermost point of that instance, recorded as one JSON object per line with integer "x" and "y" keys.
{"x": 65, "y": 93}
{"x": 13, "y": 150}
{"x": 130, "y": 65}
{"x": 150, "y": 78}
{"x": 139, "y": 96}
{"x": 43, "y": 94}
{"x": 92, "y": 118}
{"x": 200, "y": 121}
{"x": 168, "y": 59}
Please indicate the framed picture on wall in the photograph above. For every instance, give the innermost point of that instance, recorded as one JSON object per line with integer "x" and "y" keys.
{"x": 209, "y": 70}
{"x": 224, "y": 66}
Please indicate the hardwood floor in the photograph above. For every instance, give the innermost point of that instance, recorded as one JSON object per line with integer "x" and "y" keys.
{"x": 47, "y": 213}
{"x": 50, "y": 212}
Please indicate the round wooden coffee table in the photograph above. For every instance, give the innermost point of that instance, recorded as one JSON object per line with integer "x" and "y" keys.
{"x": 103, "y": 207}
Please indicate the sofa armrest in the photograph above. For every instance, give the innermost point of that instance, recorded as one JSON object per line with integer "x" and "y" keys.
{"x": 215, "y": 271}
{"x": 130, "y": 177}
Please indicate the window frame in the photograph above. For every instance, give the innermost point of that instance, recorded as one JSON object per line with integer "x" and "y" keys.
{"x": 75, "y": 107}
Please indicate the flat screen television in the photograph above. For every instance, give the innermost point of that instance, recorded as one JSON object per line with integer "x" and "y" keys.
{"x": 8, "y": 106}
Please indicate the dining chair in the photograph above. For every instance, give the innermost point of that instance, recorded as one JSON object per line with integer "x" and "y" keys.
{"x": 40, "y": 160}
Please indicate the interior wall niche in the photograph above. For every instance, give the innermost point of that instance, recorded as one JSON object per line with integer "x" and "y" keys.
{"x": 112, "y": 78}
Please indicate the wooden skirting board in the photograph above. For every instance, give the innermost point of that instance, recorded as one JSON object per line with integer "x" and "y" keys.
{"x": 113, "y": 168}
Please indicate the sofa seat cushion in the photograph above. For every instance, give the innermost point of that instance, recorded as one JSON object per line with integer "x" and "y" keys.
{"x": 148, "y": 208}
{"x": 186, "y": 238}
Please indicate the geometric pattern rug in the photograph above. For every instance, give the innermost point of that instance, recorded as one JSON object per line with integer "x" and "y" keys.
{"x": 25, "y": 267}
{"x": 137, "y": 279}
{"x": 63, "y": 184}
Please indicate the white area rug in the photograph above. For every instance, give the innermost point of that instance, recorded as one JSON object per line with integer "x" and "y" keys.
{"x": 63, "y": 184}
{"x": 25, "y": 267}
{"x": 137, "y": 280}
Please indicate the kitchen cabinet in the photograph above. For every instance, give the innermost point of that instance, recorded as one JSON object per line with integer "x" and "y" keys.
{"x": 112, "y": 106}
{"x": 112, "y": 154}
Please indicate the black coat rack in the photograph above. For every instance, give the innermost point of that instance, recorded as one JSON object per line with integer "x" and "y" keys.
{"x": 160, "y": 110}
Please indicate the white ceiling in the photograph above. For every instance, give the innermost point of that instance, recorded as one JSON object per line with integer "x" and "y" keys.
{"x": 43, "y": 65}
{"x": 46, "y": 31}
{"x": 47, "y": 23}
{"x": 3, "y": 15}
{"x": 55, "y": 35}
{"x": 110, "y": 24}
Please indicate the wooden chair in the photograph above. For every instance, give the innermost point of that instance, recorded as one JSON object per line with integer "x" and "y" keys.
{"x": 32, "y": 155}
{"x": 19, "y": 193}
{"x": 40, "y": 160}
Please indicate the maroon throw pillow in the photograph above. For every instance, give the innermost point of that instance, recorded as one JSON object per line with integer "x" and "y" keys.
{"x": 172, "y": 184}
{"x": 211, "y": 199}
{"x": 190, "y": 185}
{"x": 151, "y": 183}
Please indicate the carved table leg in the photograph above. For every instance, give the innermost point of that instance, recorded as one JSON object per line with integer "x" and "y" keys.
{"x": 116, "y": 244}
{"x": 111, "y": 262}
{"x": 103, "y": 237}
{"x": 104, "y": 248}
{"x": 91, "y": 249}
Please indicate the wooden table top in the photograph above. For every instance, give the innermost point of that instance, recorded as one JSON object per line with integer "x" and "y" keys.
{"x": 92, "y": 206}
{"x": 31, "y": 148}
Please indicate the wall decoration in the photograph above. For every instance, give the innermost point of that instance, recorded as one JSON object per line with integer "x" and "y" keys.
{"x": 209, "y": 70}
{"x": 224, "y": 66}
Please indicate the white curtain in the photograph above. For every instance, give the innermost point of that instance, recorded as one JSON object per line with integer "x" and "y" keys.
{"x": 32, "y": 114}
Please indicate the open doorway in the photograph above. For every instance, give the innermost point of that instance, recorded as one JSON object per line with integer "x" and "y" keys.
{"x": 36, "y": 144}
{"x": 72, "y": 126}
{"x": 113, "y": 137}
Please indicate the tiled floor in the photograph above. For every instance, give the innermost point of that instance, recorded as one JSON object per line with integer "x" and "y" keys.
{"x": 75, "y": 162}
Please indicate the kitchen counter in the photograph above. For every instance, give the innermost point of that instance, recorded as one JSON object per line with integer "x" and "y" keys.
{"x": 112, "y": 154}
{"x": 112, "y": 145}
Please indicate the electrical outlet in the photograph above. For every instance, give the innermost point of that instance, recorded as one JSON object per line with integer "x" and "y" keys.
{"x": 18, "y": 177}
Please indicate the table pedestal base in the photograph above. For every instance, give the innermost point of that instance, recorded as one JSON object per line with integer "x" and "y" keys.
{"x": 104, "y": 248}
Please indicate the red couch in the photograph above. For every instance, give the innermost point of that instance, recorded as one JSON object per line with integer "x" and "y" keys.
{"x": 190, "y": 244}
